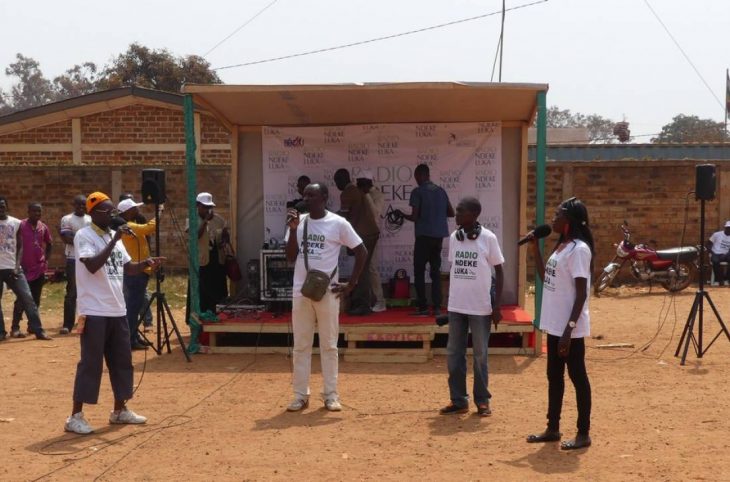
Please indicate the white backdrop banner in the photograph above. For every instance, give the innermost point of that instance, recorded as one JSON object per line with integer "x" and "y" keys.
{"x": 464, "y": 158}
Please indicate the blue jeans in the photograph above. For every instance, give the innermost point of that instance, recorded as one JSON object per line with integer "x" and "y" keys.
{"x": 459, "y": 326}
{"x": 19, "y": 286}
{"x": 134, "y": 289}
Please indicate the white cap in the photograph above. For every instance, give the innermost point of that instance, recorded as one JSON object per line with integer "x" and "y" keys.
{"x": 727, "y": 224}
{"x": 206, "y": 199}
{"x": 126, "y": 205}
{"x": 365, "y": 173}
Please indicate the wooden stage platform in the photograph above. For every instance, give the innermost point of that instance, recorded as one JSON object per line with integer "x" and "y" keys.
{"x": 392, "y": 336}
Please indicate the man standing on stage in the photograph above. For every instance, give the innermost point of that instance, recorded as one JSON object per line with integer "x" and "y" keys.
{"x": 36, "y": 252}
{"x": 326, "y": 232}
{"x": 430, "y": 207}
{"x": 101, "y": 262}
{"x": 70, "y": 224}
{"x": 355, "y": 209}
{"x": 376, "y": 201}
{"x": 11, "y": 273}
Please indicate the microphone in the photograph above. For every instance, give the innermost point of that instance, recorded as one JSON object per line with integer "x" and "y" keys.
{"x": 127, "y": 230}
{"x": 301, "y": 206}
{"x": 541, "y": 231}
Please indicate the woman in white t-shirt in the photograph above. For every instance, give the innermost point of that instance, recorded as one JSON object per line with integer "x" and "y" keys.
{"x": 565, "y": 317}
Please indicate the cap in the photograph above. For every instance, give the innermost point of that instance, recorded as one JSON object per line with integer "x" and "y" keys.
{"x": 206, "y": 199}
{"x": 94, "y": 199}
{"x": 365, "y": 173}
{"x": 126, "y": 205}
{"x": 727, "y": 224}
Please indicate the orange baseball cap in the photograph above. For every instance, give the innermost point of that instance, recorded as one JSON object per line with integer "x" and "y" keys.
{"x": 94, "y": 199}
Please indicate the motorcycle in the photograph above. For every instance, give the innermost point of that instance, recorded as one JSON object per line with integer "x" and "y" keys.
{"x": 672, "y": 268}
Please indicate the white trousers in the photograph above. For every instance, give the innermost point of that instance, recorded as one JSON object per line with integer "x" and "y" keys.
{"x": 375, "y": 283}
{"x": 325, "y": 314}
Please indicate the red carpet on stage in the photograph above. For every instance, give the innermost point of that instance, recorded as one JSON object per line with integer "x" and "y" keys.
{"x": 392, "y": 316}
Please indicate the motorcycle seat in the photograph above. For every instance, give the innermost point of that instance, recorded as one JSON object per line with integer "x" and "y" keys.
{"x": 684, "y": 254}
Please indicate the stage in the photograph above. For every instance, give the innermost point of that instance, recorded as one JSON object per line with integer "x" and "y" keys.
{"x": 391, "y": 336}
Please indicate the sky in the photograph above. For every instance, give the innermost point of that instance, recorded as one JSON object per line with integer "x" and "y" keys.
{"x": 611, "y": 58}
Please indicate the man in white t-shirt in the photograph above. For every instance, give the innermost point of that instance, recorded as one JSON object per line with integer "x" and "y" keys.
{"x": 101, "y": 263}
{"x": 70, "y": 224}
{"x": 473, "y": 252}
{"x": 327, "y": 232}
{"x": 719, "y": 246}
{"x": 11, "y": 273}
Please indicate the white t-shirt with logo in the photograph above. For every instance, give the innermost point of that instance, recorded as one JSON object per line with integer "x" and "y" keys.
{"x": 720, "y": 242}
{"x": 72, "y": 223}
{"x": 8, "y": 242}
{"x": 326, "y": 236}
{"x": 470, "y": 280}
{"x": 100, "y": 293}
{"x": 558, "y": 294}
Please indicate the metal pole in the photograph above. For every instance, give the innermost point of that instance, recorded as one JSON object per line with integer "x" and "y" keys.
{"x": 501, "y": 41}
{"x": 191, "y": 177}
{"x": 540, "y": 157}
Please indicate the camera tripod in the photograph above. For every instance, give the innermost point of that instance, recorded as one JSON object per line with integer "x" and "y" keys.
{"x": 696, "y": 313}
{"x": 163, "y": 309}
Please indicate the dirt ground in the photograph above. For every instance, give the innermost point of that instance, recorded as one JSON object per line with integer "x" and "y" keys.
{"x": 223, "y": 416}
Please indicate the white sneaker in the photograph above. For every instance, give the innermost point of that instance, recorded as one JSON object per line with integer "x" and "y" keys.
{"x": 298, "y": 404}
{"x": 333, "y": 405}
{"x": 126, "y": 416}
{"x": 76, "y": 423}
{"x": 378, "y": 307}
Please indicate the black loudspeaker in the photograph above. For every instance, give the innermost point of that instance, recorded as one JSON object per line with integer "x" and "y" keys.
{"x": 705, "y": 182}
{"x": 153, "y": 186}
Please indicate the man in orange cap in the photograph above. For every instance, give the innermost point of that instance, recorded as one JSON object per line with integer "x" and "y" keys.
{"x": 101, "y": 263}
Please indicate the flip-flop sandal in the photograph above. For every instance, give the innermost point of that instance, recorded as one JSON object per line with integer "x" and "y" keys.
{"x": 544, "y": 437}
{"x": 574, "y": 444}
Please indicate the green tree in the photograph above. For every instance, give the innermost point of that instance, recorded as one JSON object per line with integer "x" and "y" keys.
{"x": 600, "y": 129}
{"x": 156, "y": 69}
{"x": 31, "y": 88}
{"x": 690, "y": 128}
{"x": 78, "y": 80}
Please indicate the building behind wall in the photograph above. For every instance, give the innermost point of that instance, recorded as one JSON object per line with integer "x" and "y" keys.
{"x": 102, "y": 142}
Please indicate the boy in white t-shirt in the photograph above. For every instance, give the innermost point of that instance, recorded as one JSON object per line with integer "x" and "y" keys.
{"x": 327, "y": 232}
{"x": 101, "y": 263}
{"x": 473, "y": 252}
{"x": 719, "y": 246}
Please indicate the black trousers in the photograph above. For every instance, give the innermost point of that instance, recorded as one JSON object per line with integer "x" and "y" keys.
{"x": 427, "y": 250}
{"x": 556, "y": 383}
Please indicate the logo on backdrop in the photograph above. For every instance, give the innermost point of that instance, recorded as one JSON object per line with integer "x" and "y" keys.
{"x": 425, "y": 130}
{"x": 428, "y": 156}
{"x": 485, "y": 179}
{"x": 313, "y": 157}
{"x": 396, "y": 182}
{"x": 460, "y": 141}
{"x": 334, "y": 135}
{"x": 485, "y": 157}
{"x": 275, "y": 204}
{"x": 492, "y": 223}
{"x": 388, "y": 145}
{"x": 450, "y": 179}
{"x": 488, "y": 128}
{"x": 271, "y": 131}
{"x": 278, "y": 160}
{"x": 357, "y": 152}
{"x": 294, "y": 142}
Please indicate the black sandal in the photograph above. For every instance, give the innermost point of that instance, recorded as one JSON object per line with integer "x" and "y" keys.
{"x": 579, "y": 442}
{"x": 546, "y": 436}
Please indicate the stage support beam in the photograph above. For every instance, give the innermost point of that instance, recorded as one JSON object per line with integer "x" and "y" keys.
{"x": 191, "y": 177}
{"x": 540, "y": 187}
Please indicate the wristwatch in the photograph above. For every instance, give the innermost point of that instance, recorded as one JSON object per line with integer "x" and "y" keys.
{"x": 571, "y": 324}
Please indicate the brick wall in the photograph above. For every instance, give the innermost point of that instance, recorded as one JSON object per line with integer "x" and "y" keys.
{"x": 51, "y": 134}
{"x": 650, "y": 195}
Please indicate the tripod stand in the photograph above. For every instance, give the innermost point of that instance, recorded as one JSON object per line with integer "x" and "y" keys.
{"x": 163, "y": 309}
{"x": 696, "y": 313}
